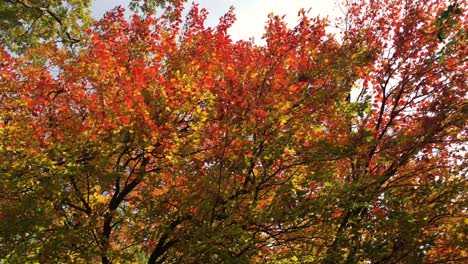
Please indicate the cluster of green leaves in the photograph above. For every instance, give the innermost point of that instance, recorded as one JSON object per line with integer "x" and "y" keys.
{"x": 27, "y": 23}
{"x": 446, "y": 16}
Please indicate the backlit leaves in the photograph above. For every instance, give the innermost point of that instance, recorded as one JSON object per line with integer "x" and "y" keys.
{"x": 163, "y": 141}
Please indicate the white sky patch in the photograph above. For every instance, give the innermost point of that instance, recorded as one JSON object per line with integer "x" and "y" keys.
{"x": 251, "y": 14}
{"x": 100, "y": 7}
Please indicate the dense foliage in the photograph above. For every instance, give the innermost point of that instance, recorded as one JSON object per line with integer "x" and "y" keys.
{"x": 25, "y": 23}
{"x": 165, "y": 141}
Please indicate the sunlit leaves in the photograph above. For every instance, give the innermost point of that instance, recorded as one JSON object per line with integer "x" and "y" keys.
{"x": 160, "y": 141}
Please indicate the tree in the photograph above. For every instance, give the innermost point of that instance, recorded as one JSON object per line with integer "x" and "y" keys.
{"x": 167, "y": 142}
{"x": 27, "y": 23}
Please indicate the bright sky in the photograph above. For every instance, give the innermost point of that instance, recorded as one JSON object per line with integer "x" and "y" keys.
{"x": 251, "y": 14}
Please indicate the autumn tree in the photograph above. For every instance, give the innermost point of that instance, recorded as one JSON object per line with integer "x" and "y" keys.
{"x": 163, "y": 141}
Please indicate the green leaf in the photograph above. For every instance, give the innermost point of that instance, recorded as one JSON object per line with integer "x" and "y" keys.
{"x": 441, "y": 35}
{"x": 445, "y": 14}
{"x": 441, "y": 59}
{"x": 452, "y": 22}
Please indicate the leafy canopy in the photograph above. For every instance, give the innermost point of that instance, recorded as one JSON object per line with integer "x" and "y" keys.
{"x": 165, "y": 141}
{"x": 27, "y": 23}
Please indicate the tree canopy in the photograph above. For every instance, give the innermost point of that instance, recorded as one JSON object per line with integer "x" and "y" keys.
{"x": 25, "y": 23}
{"x": 163, "y": 141}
